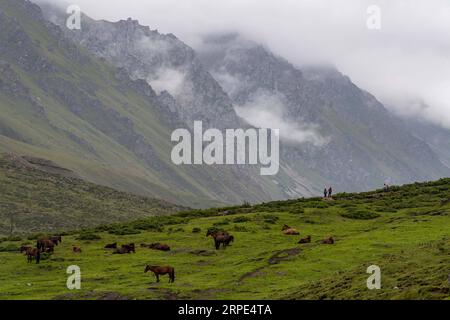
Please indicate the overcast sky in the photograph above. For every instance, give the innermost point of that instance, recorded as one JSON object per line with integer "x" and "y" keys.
{"x": 405, "y": 64}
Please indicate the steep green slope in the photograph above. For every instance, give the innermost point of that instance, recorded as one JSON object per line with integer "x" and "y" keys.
{"x": 405, "y": 231}
{"x": 37, "y": 196}
{"x": 60, "y": 103}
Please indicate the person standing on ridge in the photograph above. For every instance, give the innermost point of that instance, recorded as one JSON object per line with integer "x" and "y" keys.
{"x": 325, "y": 192}
{"x": 330, "y": 191}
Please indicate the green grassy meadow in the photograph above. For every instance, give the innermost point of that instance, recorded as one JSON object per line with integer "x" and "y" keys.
{"x": 405, "y": 231}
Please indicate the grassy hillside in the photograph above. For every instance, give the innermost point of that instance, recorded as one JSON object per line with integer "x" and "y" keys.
{"x": 61, "y": 103}
{"x": 36, "y": 195}
{"x": 405, "y": 231}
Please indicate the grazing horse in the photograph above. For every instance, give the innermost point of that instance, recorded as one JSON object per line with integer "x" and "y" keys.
{"x": 45, "y": 245}
{"x": 221, "y": 237}
{"x": 289, "y": 231}
{"x": 111, "y": 246}
{"x": 76, "y": 249}
{"x": 157, "y": 270}
{"x": 328, "y": 240}
{"x": 159, "y": 246}
{"x": 24, "y": 249}
{"x": 305, "y": 240}
{"x": 56, "y": 239}
{"x": 123, "y": 249}
{"x": 130, "y": 247}
{"x": 33, "y": 253}
{"x": 212, "y": 232}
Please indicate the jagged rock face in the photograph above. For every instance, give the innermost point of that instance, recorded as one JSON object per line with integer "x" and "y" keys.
{"x": 60, "y": 102}
{"x": 166, "y": 63}
{"x": 363, "y": 144}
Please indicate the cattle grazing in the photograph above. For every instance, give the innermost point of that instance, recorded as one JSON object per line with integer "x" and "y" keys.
{"x": 221, "y": 237}
{"x": 76, "y": 249}
{"x": 329, "y": 240}
{"x": 289, "y": 231}
{"x": 307, "y": 239}
{"x": 157, "y": 270}
{"x": 111, "y": 246}
{"x": 33, "y": 254}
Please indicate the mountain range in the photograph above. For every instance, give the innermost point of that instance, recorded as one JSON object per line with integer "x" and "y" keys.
{"x": 102, "y": 102}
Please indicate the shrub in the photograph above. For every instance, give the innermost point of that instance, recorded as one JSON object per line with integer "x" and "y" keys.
{"x": 88, "y": 236}
{"x": 240, "y": 229}
{"x": 124, "y": 230}
{"x": 175, "y": 230}
{"x": 241, "y": 219}
{"x": 215, "y": 229}
{"x": 11, "y": 238}
{"x": 222, "y": 223}
{"x": 9, "y": 248}
{"x": 196, "y": 230}
{"x": 360, "y": 215}
{"x": 270, "y": 218}
{"x": 297, "y": 210}
{"x": 36, "y": 236}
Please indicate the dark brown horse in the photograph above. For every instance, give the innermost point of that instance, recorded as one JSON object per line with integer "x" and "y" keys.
{"x": 56, "y": 239}
{"x": 45, "y": 245}
{"x": 221, "y": 237}
{"x": 328, "y": 240}
{"x": 24, "y": 249}
{"x": 305, "y": 240}
{"x": 159, "y": 246}
{"x": 125, "y": 248}
{"x": 33, "y": 254}
{"x": 76, "y": 249}
{"x": 212, "y": 232}
{"x": 157, "y": 270}
{"x": 111, "y": 246}
{"x": 130, "y": 247}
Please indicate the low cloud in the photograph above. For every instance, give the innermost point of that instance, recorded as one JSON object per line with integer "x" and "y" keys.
{"x": 167, "y": 79}
{"x": 268, "y": 111}
{"x": 405, "y": 64}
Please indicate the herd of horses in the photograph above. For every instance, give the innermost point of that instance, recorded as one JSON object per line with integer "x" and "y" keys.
{"x": 220, "y": 237}
{"x": 292, "y": 231}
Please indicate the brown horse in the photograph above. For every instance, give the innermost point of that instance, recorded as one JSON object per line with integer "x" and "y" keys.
{"x": 124, "y": 249}
{"x": 76, "y": 249}
{"x": 45, "y": 245}
{"x": 305, "y": 240}
{"x": 212, "y": 232}
{"x": 328, "y": 240}
{"x": 221, "y": 237}
{"x": 24, "y": 249}
{"x": 56, "y": 239}
{"x": 159, "y": 246}
{"x": 130, "y": 247}
{"x": 33, "y": 254}
{"x": 289, "y": 231}
{"x": 111, "y": 246}
{"x": 157, "y": 270}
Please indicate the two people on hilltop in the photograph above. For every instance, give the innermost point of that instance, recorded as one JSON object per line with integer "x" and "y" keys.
{"x": 327, "y": 192}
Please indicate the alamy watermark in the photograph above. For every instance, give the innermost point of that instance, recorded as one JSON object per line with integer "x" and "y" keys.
{"x": 73, "y": 22}
{"x": 373, "y": 21}
{"x": 235, "y": 146}
{"x": 74, "y": 279}
{"x": 374, "y": 281}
